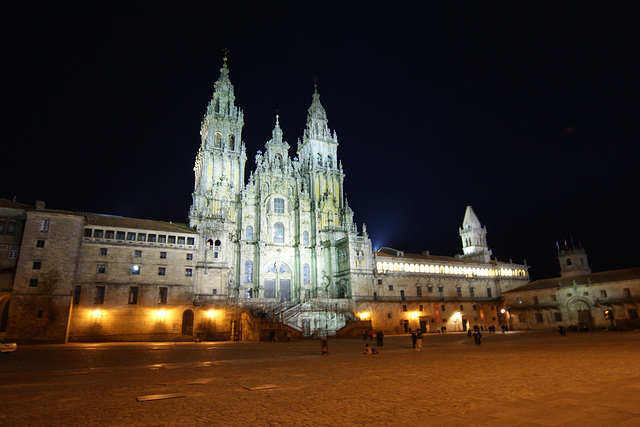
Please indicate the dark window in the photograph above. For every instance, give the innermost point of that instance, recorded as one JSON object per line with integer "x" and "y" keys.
{"x": 163, "y": 255}
{"x": 37, "y": 265}
{"x": 188, "y": 272}
{"x": 489, "y": 292}
{"x": 162, "y": 238}
{"x": 180, "y": 240}
{"x": 402, "y": 294}
{"x": 419, "y": 291}
{"x": 33, "y": 283}
{"x": 109, "y": 234}
{"x": 539, "y": 318}
{"x": 472, "y": 293}
{"x": 11, "y": 227}
{"x": 189, "y": 257}
{"x": 76, "y": 294}
{"x": 133, "y": 295}
{"x": 627, "y": 292}
{"x": 421, "y": 307}
{"x": 461, "y": 307}
{"x": 459, "y": 291}
{"x": 558, "y": 317}
{"x": 404, "y": 307}
{"x": 535, "y": 300}
{"x": 101, "y": 268}
{"x": 151, "y": 238}
{"x": 603, "y": 293}
{"x": 39, "y": 243}
{"x": 162, "y": 295}
{"x": 442, "y": 307}
{"x": 390, "y": 287}
{"x": 99, "y": 295}
{"x": 633, "y": 313}
{"x": 131, "y": 236}
{"x": 191, "y": 241}
{"x": 103, "y": 251}
{"x": 142, "y": 237}
{"x": 98, "y": 234}
{"x": 40, "y": 314}
{"x": 137, "y": 254}
{"x": 120, "y": 235}
{"x": 429, "y": 289}
{"x": 87, "y": 232}
{"x": 162, "y": 271}
{"x": 172, "y": 239}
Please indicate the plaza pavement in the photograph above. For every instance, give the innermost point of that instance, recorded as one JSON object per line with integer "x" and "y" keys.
{"x": 518, "y": 378}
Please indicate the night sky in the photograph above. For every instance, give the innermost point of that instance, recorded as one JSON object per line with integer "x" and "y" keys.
{"x": 528, "y": 111}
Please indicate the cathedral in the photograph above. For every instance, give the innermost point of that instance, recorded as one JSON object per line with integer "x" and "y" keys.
{"x": 277, "y": 253}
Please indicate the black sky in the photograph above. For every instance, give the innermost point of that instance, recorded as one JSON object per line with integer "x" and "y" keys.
{"x": 528, "y": 111}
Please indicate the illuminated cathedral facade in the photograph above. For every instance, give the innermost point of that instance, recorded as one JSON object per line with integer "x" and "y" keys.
{"x": 277, "y": 253}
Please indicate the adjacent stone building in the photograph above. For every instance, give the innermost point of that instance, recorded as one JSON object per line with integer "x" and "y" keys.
{"x": 578, "y": 298}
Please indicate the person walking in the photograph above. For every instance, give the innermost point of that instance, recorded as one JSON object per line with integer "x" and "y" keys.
{"x": 477, "y": 336}
{"x": 325, "y": 346}
{"x": 414, "y": 338}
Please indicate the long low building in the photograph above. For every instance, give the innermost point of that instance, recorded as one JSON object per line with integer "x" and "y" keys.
{"x": 578, "y": 298}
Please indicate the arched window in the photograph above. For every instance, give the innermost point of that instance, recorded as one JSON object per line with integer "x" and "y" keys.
{"x": 278, "y": 160}
{"x": 216, "y": 249}
{"x": 329, "y": 161}
{"x": 232, "y": 142}
{"x": 342, "y": 292}
{"x": 278, "y": 232}
{"x": 278, "y": 205}
{"x": 248, "y": 272}
{"x": 319, "y": 159}
{"x": 217, "y": 140}
{"x": 306, "y": 274}
{"x": 305, "y": 238}
{"x": 249, "y": 233}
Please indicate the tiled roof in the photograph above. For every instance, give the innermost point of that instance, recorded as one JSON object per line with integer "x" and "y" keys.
{"x": 584, "y": 279}
{"x": 143, "y": 224}
{"x": 6, "y": 203}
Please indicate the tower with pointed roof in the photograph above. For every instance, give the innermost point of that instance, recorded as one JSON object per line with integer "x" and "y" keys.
{"x": 219, "y": 180}
{"x": 474, "y": 238}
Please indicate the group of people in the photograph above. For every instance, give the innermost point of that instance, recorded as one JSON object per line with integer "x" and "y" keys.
{"x": 416, "y": 340}
{"x": 369, "y": 334}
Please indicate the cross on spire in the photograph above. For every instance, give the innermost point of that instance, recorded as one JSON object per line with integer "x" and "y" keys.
{"x": 226, "y": 51}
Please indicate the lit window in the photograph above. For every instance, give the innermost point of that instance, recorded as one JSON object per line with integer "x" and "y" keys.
{"x": 278, "y": 235}
{"x": 133, "y": 295}
{"x": 305, "y": 238}
{"x": 135, "y": 269}
{"x": 44, "y": 225}
{"x": 249, "y": 233}
{"x": 278, "y": 205}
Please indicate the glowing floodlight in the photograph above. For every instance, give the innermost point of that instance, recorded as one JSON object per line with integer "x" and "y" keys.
{"x": 161, "y": 314}
{"x": 365, "y": 316}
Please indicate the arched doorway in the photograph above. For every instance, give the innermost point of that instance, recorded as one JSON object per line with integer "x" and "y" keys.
{"x": 187, "y": 322}
{"x": 277, "y": 281}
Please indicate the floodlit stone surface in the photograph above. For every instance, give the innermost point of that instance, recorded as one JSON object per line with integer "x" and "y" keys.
{"x": 522, "y": 378}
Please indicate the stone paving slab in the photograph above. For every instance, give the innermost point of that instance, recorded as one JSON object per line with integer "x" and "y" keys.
{"x": 532, "y": 379}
